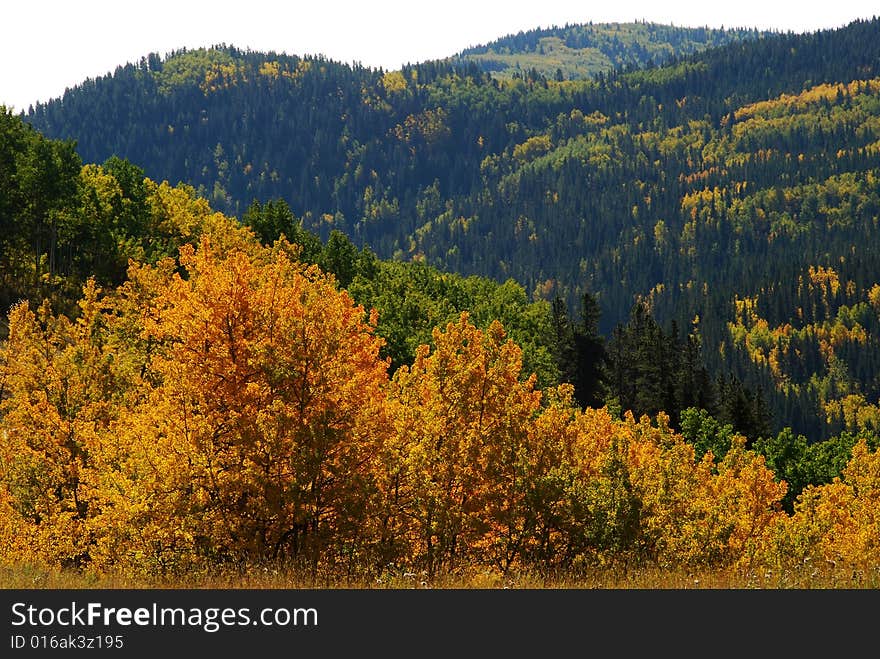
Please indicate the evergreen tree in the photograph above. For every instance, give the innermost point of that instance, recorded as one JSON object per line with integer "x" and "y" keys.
{"x": 693, "y": 384}
{"x": 589, "y": 350}
{"x": 743, "y": 409}
{"x": 565, "y": 353}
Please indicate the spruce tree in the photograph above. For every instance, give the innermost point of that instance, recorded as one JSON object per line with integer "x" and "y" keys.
{"x": 589, "y": 348}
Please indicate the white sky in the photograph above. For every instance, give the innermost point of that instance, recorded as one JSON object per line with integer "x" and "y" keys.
{"x": 48, "y": 45}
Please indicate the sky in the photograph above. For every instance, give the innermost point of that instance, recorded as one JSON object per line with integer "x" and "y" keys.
{"x": 47, "y": 46}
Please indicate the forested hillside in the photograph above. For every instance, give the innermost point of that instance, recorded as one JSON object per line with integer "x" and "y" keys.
{"x": 181, "y": 392}
{"x": 582, "y": 51}
{"x": 737, "y": 185}
{"x": 529, "y": 261}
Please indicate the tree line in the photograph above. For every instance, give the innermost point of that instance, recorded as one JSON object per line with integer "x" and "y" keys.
{"x": 231, "y": 406}
{"x": 720, "y": 175}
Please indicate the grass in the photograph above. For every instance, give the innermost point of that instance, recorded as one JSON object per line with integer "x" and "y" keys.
{"x": 574, "y": 63}
{"x": 806, "y": 577}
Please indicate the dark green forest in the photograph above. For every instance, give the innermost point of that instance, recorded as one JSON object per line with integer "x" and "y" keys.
{"x": 697, "y": 237}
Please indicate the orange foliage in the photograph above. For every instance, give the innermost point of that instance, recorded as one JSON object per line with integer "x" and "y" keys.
{"x": 258, "y": 438}
{"x": 232, "y": 405}
{"x": 460, "y": 458}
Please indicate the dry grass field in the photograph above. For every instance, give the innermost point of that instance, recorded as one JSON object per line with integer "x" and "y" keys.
{"x": 808, "y": 577}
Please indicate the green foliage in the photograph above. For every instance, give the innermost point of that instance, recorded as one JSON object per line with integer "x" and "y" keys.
{"x": 701, "y": 179}
{"x": 40, "y": 183}
{"x": 706, "y": 433}
{"x": 641, "y": 366}
{"x": 413, "y": 298}
{"x": 802, "y": 464}
{"x": 192, "y": 68}
{"x": 582, "y": 51}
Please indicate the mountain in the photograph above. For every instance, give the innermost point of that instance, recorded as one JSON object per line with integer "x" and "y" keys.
{"x": 734, "y": 192}
{"x": 582, "y": 51}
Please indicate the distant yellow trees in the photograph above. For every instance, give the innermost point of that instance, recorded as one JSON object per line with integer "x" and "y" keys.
{"x": 231, "y": 405}
{"x": 834, "y": 330}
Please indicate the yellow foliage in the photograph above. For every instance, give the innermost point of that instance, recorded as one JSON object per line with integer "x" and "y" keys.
{"x": 874, "y": 297}
{"x": 394, "y": 82}
{"x": 428, "y": 126}
{"x": 259, "y": 436}
{"x": 269, "y": 69}
{"x": 222, "y": 75}
{"x": 459, "y": 459}
{"x": 532, "y": 148}
{"x": 838, "y": 523}
{"x": 812, "y": 96}
{"x": 697, "y": 511}
{"x": 60, "y": 382}
{"x": 825, "y": 278}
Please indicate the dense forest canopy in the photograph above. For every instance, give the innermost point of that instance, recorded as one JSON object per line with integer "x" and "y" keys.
{"x": 733, "y": 174}
{"x": 553, "y": 296}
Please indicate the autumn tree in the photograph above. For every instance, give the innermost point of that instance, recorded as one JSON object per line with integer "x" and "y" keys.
{"x": 834, "y": 524}
{"x": 62, "y": 388}
{"x": 258, "y": 439}
{"x": 460, "y": 459}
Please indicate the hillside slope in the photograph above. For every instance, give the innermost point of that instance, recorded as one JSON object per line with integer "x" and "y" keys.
{"x": 738, "y": 186}
{"x": 574, "y": 52}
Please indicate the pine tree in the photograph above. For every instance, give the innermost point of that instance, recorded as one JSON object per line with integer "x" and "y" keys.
{"x": 565, "y": 352}
{"x": 589, "y": 348}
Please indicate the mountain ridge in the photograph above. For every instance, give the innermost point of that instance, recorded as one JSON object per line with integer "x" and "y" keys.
{"x": 582, "y": 50}
{"x": 737, "y": 185}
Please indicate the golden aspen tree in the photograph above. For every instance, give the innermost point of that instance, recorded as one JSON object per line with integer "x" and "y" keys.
{"x": 635, "y": 493}
{"x": 552, "y": 475}
{"x": 258, "y": 439}
{"x": 697, "y": 512}
{"x": 606, "y": 501}
{"x": 460, "y": 455}
{"x": 667, "y": 480}
{"x": 61, "y": 389}
{"x": 584, "y": 499}
{"x": 838, "y": 523}
{"x": 740, "y": 507}
{"x": 510, "y": 456}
